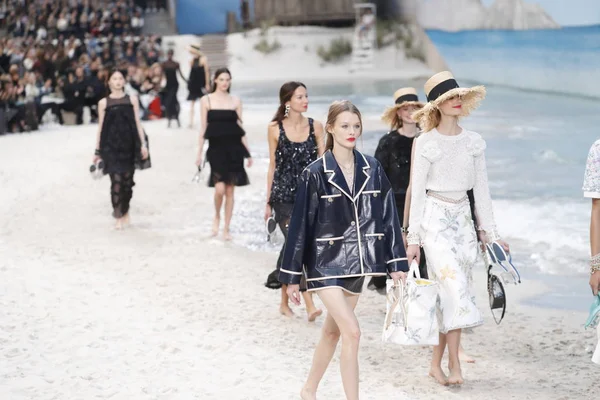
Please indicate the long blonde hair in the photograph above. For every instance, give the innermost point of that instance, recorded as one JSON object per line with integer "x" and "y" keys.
{"x": 335, "y": 109}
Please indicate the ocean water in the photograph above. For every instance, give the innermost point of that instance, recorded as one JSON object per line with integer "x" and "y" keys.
{"x": 539, "y": 119}
{"x": 537, "y": 148}
{"x": 562, "y": 61}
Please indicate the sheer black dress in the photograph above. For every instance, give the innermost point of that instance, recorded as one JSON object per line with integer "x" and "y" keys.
{"x": 120, "y": 149}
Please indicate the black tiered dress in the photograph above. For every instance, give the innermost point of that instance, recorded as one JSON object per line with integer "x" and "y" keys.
{"x": 120, "y": 149}
{"x": 226, "y": 152}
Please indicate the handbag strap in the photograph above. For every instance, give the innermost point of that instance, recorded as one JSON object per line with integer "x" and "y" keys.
{"x": 396, "y": 300}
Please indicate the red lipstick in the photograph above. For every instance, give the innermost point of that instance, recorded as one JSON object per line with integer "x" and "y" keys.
{"x": 459, "y": 106}
{"x": 351, "y": 139}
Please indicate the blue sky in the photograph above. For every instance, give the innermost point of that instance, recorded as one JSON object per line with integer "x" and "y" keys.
{"x": 569, "y": 12}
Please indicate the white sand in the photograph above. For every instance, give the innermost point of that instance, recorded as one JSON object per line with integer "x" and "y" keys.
{"x": 160, "y": 311}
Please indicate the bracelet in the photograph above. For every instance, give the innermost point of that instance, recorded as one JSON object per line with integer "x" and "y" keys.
{"x": 595, "y": 263}
{"x": 97, "y": 152}
{"x": 404, "y": 229}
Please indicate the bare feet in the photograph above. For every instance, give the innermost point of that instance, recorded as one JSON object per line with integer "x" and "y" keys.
{"x": 215, "y": 227}
{"x": 126, "y": 220}
{"x": 306, "y": 394}
{"x": 455, "y": 377}
{"x": 226, "y": 235}
{"x": 119, "y": 224}
{"x": 286, "y": 310}
{"x": 462, "y": 356}
{"x": 438, "y": 374}
{"x": 313, "y": 314}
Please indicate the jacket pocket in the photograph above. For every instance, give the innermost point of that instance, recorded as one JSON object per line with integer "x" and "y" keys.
{"x": 331, "y": 252}
{"x": 330, "y": 208}
{"x": 375, "y": 202}
{"x": 375, "y": 249}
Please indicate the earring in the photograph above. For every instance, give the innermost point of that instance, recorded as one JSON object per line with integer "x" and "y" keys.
{"x": 287, "y": 111}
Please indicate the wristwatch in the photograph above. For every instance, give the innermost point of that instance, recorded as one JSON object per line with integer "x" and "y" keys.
{"x": 404, "y": 229}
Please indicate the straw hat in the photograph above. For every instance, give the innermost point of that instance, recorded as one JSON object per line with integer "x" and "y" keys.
{"x": 194, "y": 49}
{"x": 402, "y": 97}
{"x": 441, "y": 87}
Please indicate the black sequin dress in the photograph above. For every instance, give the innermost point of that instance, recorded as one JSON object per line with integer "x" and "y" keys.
{"x": 226, "y": 152}
{"x": 291, "y": 158}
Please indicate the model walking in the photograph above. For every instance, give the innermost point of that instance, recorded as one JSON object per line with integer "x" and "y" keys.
{"x": 394, "y": 152}
{"x": 591, "y": 189}
{"x": 344, "y": 227}
{"x": 294, "y": 142}
{"x": 199, "y": 81}
{"x": 448, "y": 161}
{"x": 171, "y": 68}
{"x": 121, "y": 144}
{"x": 227, "y": 146}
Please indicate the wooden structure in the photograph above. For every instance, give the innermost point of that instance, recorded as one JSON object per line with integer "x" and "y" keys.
{"x": 297, "y": 12}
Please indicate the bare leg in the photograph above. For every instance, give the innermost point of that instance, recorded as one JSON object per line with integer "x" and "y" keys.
{"x": 455, "y": 377}
{"x": 463, "y": 356}
{"x": 228, "y": 211}
{"x": 191, "y": 125}
{"x": 435, "y": 370}
{"x": 219, "y": 193}
{"x": 340, "y": 313}
{"x": 284, "y": 308}
{"x": 311, "y": 310}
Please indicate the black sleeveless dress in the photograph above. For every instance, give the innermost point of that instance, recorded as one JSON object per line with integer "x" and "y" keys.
{"x": 226, "y": 152}
{"x": 120, "y": 144}
{"x": 197, "y": 81}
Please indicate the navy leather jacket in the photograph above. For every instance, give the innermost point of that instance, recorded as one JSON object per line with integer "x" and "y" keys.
{"x": 334, "y": 234}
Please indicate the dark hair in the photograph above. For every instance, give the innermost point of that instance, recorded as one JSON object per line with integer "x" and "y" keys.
{"x": 110, "y": 74}
{"x": 335, "y": 109}
{"x": 217, "y": 74}
{"x": 285, "y": 94}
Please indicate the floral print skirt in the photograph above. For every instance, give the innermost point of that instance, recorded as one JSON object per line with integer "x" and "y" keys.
{"x": 450, "y": 245}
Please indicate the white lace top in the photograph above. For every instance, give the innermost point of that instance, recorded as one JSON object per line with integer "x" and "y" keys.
{"x": 450, "y": 165}
{"x": 591, "y": 179}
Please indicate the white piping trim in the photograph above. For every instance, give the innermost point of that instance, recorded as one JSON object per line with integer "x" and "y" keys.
{"x": 397, "y": 259}
{"x": 363, "y": 186}
{"x": 327, "y": 239}
{"x": 367, "y": 166}
{"x": 338, "y": 187}
{"x": 360, "y": 252}
{"x": 374, "y": 234}
{"x": 327, "y": 196}
{"x": 325, "y": 163}
{"x": 371, "y": 191}
{"x": 347, "y": 276}
{"x": 334, "y": 287}
{"x": 290, "y": 272}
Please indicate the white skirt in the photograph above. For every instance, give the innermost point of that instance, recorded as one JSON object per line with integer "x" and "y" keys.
{"x": 450, "y": 245}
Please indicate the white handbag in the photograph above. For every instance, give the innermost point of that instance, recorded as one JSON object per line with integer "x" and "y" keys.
{"x": 411, "y": 318}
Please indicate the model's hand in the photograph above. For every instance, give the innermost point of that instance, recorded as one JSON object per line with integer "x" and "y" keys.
{"x": 397, "y": 276}
{"x": 199, "y": 160}
{"x": 595, "y": 282}
{"x": 95, "y": 159}
{"x": 268, "y": 212}
{"x": 144, "y": 153}
{"x": 413, "y": 252}
{"x": 249, "y": 162}
{"x": 504, "y": 245}
{"x": 293, "y": 292}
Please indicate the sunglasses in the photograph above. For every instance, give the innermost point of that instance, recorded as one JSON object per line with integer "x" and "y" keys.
{"x": 498, "y": 256}
{"x": 270, "y": 226}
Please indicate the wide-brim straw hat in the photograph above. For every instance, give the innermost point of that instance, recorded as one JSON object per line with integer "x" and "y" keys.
{"x": 402, "y": 97}
{"x": 441, "y": 87}
{"x": 194, "y": 49}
